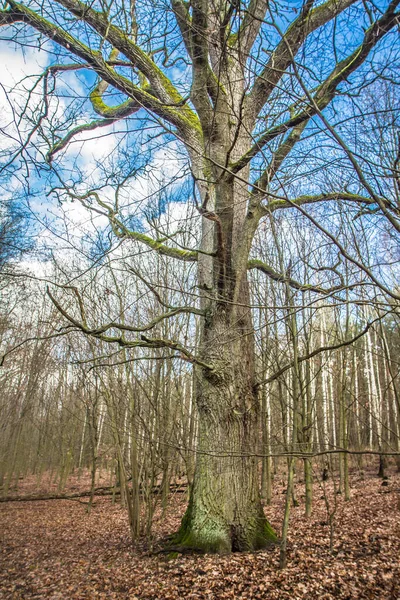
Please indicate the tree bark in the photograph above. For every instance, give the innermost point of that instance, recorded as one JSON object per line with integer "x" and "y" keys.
{"x": 225, "y": 512}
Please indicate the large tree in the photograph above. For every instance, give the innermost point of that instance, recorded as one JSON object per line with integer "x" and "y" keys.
{"x": 239, "y": 86}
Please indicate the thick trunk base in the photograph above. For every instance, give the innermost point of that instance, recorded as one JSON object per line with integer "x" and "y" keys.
{"x": 225, "y": 513}
{"x": 218, "y": 537}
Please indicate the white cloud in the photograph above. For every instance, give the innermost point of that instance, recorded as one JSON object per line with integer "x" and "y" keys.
{"x": 17, "y": 69}
{"x": 71, "y": 222}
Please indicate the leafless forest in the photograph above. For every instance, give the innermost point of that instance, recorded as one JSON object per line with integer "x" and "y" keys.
{"x": 200, "y": 308}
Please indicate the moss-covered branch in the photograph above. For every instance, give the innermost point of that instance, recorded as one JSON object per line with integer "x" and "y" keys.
{"x": 119, "y": 39}
{"x": 76, "y": 131}
{"x": 326, "y": 91}
{"x": 121, "y": 231}
{"x": 161, "y": 85}
{"x": 171, "y": 107}
{"x": 308, "y": 21}
{"x": 180, "y": 253}
{"x": 9, "y": 17}
{"x": 276, "y": 204}
{"x": 110, "y": 114}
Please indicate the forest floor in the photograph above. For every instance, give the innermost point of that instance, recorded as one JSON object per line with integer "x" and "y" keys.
{"x": 55, "y": 550}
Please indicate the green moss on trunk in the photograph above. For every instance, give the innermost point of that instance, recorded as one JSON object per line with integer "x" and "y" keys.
{"x": 219, "y": 537}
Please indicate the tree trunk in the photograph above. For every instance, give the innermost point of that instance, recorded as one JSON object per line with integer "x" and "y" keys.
{"x": 225, "y": 512}
{"x": 266, "y": 488}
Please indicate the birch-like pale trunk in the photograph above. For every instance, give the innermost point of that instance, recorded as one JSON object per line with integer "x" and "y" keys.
{"x": 82, "y": 442}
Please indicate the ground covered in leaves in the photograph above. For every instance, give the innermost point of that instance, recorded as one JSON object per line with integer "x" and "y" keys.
{"x": 53, "y": 549}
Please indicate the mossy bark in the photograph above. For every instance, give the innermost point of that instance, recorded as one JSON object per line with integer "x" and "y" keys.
{"x": 225, "y": 512}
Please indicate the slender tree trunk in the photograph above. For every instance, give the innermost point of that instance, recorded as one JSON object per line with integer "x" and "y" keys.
{"x": 307, "y": 432}
{"x": 266, "y": 491}
{"x": 266, "y": 476}
{"x": 93, "y": 429}
{"x": 395, "y": 392}
{"x": 292, "y": 327}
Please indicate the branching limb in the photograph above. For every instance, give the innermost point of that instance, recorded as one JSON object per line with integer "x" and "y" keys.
{"x": 111, "y": 115}
{"x": 343, "y": 251}
{"x": 172, "y": 108}
{"x": 184, "y": 23}
{"x": 144, "y": 342}
{"x": 161, "y": 85}
{"x": 308, "y": 21}
{"x": 279, "y": 156}
{"x": 63, "y": 143}
{"x": 33, "y": 339}
{"x": 275, "y": 276}
{"x": 250, "y": 26}
{"x": 121, "y": 231}
{"x": 111, "y": 112}
{"x": 318, "y": 351}
{"x": 171, "y": 312}
{"x": 326, "y": 91}
{"x": 195, "y": 311}
{"x": 276, "y": 204}
{"x": 201, "y": 66}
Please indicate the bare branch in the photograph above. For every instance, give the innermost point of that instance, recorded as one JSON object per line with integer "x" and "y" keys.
{"x": 276, "y": 204}
{"x": 326, "y": 91}
{"x": 308, "y": 21}
{"x": 144, "y": 342}
{"x": 317, "y": 351}
{"x": 275, "y": 276}
{"x": 250, "y": 26}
